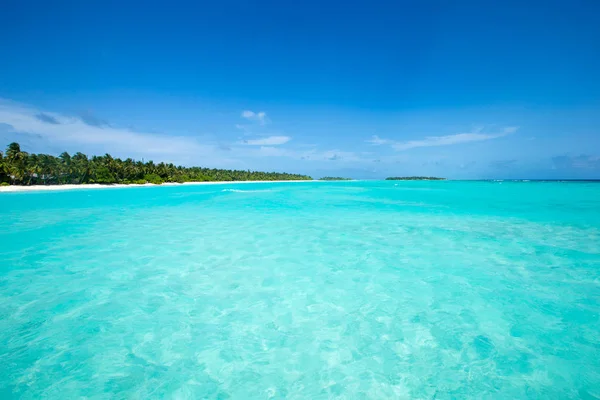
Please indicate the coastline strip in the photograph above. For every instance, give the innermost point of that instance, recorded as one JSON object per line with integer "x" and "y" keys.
{"x": 43, "y": 188}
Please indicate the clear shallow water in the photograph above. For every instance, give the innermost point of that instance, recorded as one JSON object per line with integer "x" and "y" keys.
{"x": 302, "y": 290}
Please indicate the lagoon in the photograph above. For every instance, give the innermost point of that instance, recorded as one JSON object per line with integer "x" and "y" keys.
{"x": 373, "y": 289}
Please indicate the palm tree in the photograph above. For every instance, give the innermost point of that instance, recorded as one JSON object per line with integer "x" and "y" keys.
{"x": 16, "y": 162}
{"x": 65, "y": 163}
{"x": 33, "y": 168}
{"x": 80, "y": 167}
{"x": 47, "y": 167}
{"x": 3, "y": 169}
{"x": 13, "y": 150}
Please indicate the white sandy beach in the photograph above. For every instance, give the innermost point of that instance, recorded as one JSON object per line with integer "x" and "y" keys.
{"x": 41, "y": 188}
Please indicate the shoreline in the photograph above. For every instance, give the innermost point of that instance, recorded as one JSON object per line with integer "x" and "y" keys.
{"x": 49, "y": 188}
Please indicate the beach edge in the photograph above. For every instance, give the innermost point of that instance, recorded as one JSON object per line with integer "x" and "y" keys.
{"x": 49, "y": 188}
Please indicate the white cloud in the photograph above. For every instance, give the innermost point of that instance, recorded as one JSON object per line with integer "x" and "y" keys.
{"x": 332, "y": 155}
{"x": 446, "y": 140}
{"x": 431, "y": 141}
{"x": 312, "y": 155}
{"x": 260, "y": 116}
{"x": 246, "y": 129}
{"x": 376, "y": 140}
{"x": 273, "y": 151}
{"x": 268, "y": 141}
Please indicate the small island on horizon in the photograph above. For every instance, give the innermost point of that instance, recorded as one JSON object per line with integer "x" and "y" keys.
{"x": 414, "y": 178}
{"x": 334, "y": 178}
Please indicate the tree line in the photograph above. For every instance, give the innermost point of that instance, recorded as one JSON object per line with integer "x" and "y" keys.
{"x": 18, "y": 167}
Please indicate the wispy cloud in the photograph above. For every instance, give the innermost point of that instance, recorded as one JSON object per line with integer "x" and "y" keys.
{"x": 274, "y": 152}
{"x": 74, "y": 131}
{"x": 452, "y": 139}
{"x": 47, "y": 118}
{"x": 334, "y": 155}
{"x": 583, "y": 161}
{"x": 268, "y": 141}
{"x": 312, "y": 155}
{"x": 89, "y": 118}
{"x": 260, "y": 117}
{"x": 432, "y": 141}
{"x": 376, "y": 140}
{"x": 503, "y": 164}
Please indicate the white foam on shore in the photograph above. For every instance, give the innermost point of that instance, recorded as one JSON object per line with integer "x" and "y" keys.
{"x": 42, "y": 188}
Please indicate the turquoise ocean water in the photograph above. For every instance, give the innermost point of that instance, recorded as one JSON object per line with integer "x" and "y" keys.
{"x": 353, "y": 290}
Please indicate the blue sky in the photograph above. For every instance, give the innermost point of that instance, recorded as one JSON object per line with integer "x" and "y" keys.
{"x": 462, "y": 89}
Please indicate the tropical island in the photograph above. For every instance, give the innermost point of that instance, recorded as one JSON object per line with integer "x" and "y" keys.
{"x": 334, "y": 178}
{"x": 18, "y": 167}
{"x": 414, "y": 178}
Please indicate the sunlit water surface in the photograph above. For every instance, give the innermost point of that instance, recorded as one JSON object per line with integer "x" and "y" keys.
{"x": 348, "y": 290}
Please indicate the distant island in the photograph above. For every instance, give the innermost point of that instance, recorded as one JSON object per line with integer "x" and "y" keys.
{"x": 334, "y": 178}
{"x": 21, "y": 168}
{"x": 414, "y": 178}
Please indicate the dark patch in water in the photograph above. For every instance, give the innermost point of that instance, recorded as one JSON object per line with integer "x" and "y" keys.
{"x": 483, "y": 345}
{"x": 416, "y": 319}
{"x": 517, "y": 331}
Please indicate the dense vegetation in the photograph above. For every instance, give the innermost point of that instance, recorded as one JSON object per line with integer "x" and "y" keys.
{"x": 414, "y": 178}
{"x": 334, "y": 178}
{"x": 21, "y": 168}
